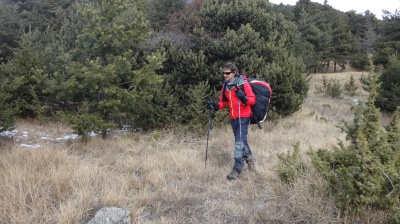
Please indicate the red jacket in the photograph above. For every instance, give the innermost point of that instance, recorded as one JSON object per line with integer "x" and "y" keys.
{"x": 232, "y": 101}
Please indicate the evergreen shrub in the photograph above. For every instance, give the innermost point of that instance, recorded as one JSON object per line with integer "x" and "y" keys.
{"x": 366, "y": 172}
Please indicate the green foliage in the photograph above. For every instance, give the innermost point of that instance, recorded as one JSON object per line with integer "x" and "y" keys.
{"x": 7, "y": 112}
{"x": 165, "y": 110}
{"x": 290, "y": 166}
{"x": 331, "y": 88}
{"x": 110, "y": 72}
{"x": 95, "y": 52}
{"x": 85, "y": 123}
{"x": 7, "y": 116}
{"x": 388, "y": 42}
{"x": 365, "y": 82}
{"x": 351, "y": 87}
{"x": 389, "y": 93}
{"x": 364, "y": 28}
{"x": 219, "y": 16}
{"x": 194, "y": 116}
{"x": 290, "y": 89}
{"x": 370, "y": 65}
{"x": 343, "y": 43}
{"x": 335, "y": 89}
{"x": 325, "y": 35}
{"x": 366, "y": 172}
{"x": 9, "y": 30}
{"x": 325, "y": 85}
{"x": 29, "y": 75}
{"x": 41, "y": 14}
{"x": 311, "y": 39}
{"x": 187, "y": 67}
{"x": 359, "y": 61}
{"x": 104, "y": 53}
{"x": 159, "y": 11}
{"x": 259, "y": 41}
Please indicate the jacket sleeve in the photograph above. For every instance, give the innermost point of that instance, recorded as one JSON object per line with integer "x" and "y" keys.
{"x": 251, "y": 98}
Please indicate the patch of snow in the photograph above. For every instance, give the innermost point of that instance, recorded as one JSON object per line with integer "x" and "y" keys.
{"x": 92, "y": 134}
{"x": 67, "y": 137}
{"x": 7, "y": 134}
{"x": 30, "y": 146}
{"x": 23, "y": 136}
{"x": 47, "y": 138}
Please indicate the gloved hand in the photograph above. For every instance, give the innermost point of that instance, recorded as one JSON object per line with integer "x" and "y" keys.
{"x": 212, "y": 105}
{"x": 241, "y": 95}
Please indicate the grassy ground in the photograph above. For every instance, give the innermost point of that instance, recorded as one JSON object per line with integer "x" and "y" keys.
{"x": 161, "y": 177}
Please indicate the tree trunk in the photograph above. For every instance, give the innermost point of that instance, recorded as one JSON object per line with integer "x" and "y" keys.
{"x": 334, "y": 67}
{"x": 327, "y": 67}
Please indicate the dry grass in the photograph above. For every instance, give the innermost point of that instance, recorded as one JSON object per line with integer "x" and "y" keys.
{"x": 161, "y": 177}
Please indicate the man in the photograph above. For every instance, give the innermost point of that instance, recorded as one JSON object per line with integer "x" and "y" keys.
{"x": 238, "y": 95}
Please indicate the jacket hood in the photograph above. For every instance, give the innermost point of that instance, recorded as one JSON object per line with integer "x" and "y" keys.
{"x": 237, "y": 81}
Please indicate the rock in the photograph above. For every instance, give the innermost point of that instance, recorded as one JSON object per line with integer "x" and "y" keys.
{"x": 111, "y": 215}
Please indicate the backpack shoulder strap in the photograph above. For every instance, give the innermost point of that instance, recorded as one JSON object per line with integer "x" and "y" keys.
{"x": 224, "y": 98}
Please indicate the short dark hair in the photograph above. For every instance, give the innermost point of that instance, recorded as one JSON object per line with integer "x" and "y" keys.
{"x": 231, "y": 66}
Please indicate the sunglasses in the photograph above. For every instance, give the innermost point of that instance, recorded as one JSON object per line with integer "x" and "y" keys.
{"x": 226, "y": 73}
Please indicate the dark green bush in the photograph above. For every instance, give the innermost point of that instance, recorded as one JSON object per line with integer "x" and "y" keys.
{"x": 290, "y": 166}
{"x": 366, "y": 172}
{"x": 351, "y": 87}
{"x": 330, "y": 87}
{"x": 389, "y": 93}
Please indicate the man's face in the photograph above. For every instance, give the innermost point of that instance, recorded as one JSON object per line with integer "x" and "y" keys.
{"x": 228, "y": 75}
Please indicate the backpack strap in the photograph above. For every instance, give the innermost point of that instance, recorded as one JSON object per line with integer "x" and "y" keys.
{"x": 224, "y": 98}
{"x": 259, "y": 125}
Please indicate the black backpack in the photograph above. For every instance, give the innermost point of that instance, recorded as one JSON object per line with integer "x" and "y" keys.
{"x": 263, "y": 92}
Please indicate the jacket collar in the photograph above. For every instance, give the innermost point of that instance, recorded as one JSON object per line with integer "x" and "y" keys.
{"x": 237, "y": 81}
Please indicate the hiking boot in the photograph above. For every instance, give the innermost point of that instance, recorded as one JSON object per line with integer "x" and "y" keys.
{"x": 250, "y": 162}
{"x": 233, "y": 175}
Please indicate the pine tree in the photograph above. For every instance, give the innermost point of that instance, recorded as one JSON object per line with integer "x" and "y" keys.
{"x": 159, "y": 11}
{"x": 9, "y": 30}
{"x": 389, "y": 93}
{"x": 342, "y": 41}
{"x": 249, "y": 33}
{"x": 40, "y": 14}
{"x": 7, "y": 109}
{"x": 314, "y": 24}
{"x": 307, "y": 45}
{"x": 28, "y": 74}
{"x": 111, "y": 78}
{"x": 388, "y": 42}
{"x": 364, "y": 29}
{"x": 351, "y": 86}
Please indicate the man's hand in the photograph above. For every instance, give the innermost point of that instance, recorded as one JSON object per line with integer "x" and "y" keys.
{"x": 241, "y": 95}
{"x": 212, "y": 105}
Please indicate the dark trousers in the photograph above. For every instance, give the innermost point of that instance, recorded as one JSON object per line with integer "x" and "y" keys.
{"x": 240, "y": 129}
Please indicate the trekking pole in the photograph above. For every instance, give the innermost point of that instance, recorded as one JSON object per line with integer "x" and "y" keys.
{"x": 240, "y": 122}
{"x": 240, "y": 130}
{"x": 208, "y": 135}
